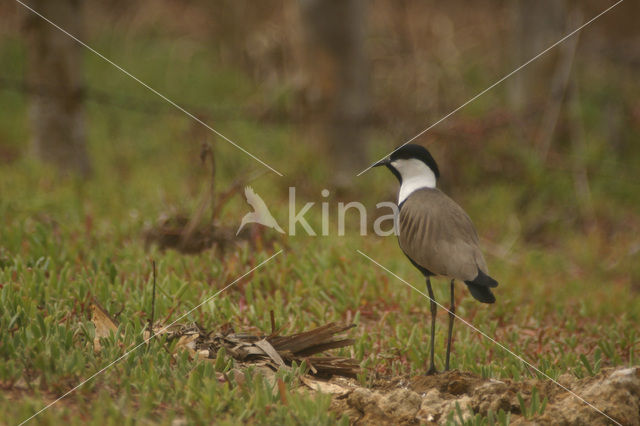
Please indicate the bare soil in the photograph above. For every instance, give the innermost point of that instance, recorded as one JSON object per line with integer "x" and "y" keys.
{"x": 433, "y": 399}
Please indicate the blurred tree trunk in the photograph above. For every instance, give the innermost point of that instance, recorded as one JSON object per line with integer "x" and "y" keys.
{"x": 537, "y": 25}
{"x": 338, "y": 69}
{"x": 54, "y": 70}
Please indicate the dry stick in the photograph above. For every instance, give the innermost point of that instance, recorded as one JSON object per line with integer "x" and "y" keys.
{"x": 217, "y": 203}
{"x": 282, "y": 389}
{"x": 153, "y": 302}
{"x": 207, "y": 198}
{"x": 273, "y": 323}
{"x": 212, "y": 185}
{"x": 235, "y": 187}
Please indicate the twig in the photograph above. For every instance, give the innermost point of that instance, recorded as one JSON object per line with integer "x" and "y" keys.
{"x": 235, "y": 187}
{"x": 208, "y": 197}
{"x": 153, "y": 301}
{"x": 207, "y": 151}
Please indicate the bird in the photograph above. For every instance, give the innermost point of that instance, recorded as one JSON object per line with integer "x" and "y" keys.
{"x": 261, "y": 213}
{"x": 436, "y": 234}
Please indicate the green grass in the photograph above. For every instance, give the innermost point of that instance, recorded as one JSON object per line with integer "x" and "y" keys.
{"x": 563, "y": 302}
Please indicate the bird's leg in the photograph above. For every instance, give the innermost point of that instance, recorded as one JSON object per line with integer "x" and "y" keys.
{"x": 452, "y": 311}
{"x": 432, "y": 367}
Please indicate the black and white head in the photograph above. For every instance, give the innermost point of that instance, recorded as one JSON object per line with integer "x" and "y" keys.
{"x": 414, "y": 167}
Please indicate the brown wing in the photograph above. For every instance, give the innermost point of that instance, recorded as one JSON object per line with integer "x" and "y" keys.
{"x": 439, "y": 236}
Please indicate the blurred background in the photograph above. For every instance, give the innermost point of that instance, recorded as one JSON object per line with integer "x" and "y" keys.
{"x": 94, "y": 166}
{"x": 318, "y": 89}
{"x": 344, "y": 79}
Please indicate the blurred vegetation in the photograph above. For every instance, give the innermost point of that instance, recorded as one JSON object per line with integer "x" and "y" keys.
{"x": 569, "y": 265}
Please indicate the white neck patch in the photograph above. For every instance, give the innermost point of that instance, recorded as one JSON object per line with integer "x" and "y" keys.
{"x": 415, "y": 175}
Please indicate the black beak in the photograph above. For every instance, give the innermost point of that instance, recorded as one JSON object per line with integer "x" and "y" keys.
{"x": 382, "y": 162}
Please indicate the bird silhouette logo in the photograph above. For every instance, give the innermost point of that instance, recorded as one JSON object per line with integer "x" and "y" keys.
{"x": 260, "y": 213}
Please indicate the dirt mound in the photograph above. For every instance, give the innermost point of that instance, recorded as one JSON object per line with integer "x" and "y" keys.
{"x": 434, "y": 399}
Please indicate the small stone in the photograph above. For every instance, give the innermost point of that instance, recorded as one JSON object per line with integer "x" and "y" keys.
{"x": 401, "y": 403}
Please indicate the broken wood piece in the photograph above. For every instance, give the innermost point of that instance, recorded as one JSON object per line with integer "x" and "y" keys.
{"x": 269, "y": 350}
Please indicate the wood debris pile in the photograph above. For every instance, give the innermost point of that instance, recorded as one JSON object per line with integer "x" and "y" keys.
{"x": 274, "y": 350}
{"x": 179, "y": 232}
{"x": 201, "y": 229}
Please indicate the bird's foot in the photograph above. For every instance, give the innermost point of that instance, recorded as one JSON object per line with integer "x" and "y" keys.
{"x": 431, "y": 371}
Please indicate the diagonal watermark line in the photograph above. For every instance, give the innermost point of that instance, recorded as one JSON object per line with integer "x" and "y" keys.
{"x": 563, "y": 39}
{"x": 468, "y": 324}
{"x": 102, "y": 370}
{"x": 94, "y": 51}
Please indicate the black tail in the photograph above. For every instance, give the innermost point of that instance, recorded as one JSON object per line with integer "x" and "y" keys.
{"x": 480, "y": 287}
